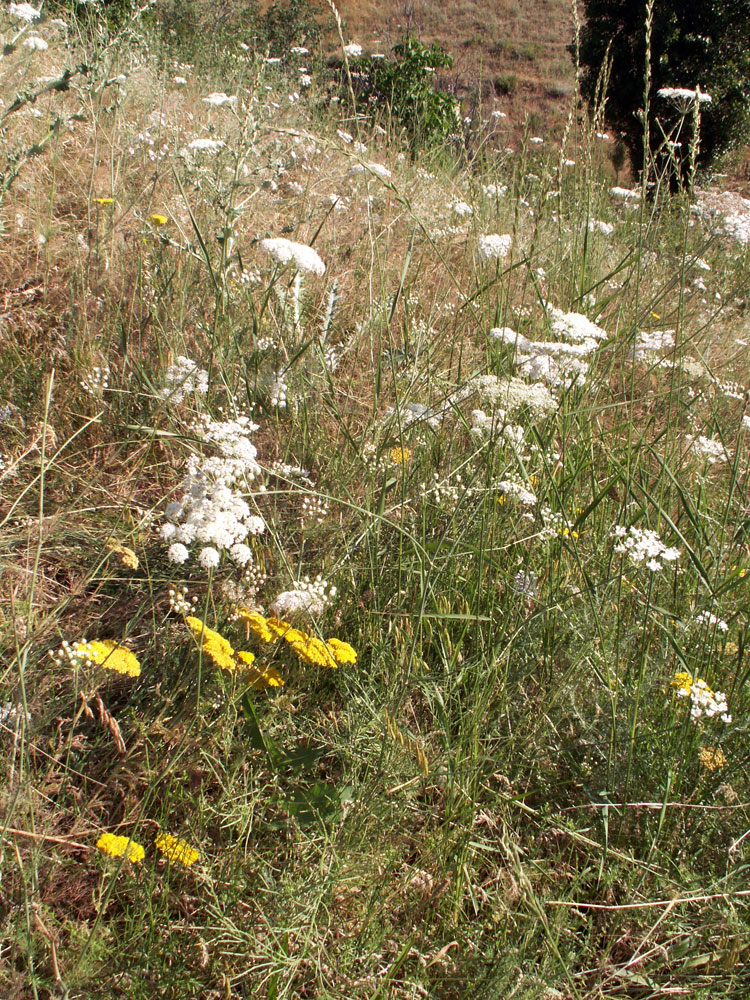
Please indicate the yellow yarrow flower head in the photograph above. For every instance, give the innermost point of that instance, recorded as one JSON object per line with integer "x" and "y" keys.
{"x": 121, "y": 847}
{"x": 400, "y": 456}
{"x": 108, "y": 654}
{"x": 257, "y": 624}
{"x": 683, "y": 682}
{"x": 712, "y": 758}
{"x": 104, "y": 201}
{"x": 127, "y": 556}
{"x": 215, "y": 646}
{"x": 342, "y": 651}
{"x": 176, "y": 849}
{"x": 158, "y": 220}
{"x": 280, "y": 628}
{"x": 314, "y": 650}
{"x": 258, "y": 677}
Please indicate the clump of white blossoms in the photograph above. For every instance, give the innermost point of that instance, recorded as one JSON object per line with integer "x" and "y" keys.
{"x": 649, "y": 343}
{"x": 460, "y": 208}
{"x": 218, "y": 100}
{"x": 353, "y": 50}
{"x": 559, "y": 362}
{"x": 206, "y": 145}
{"x": 35, "y": 44}
{"x": 277, "y": 394}
{"x": 314, "y": 508}
{"x": 709, "y": 448}
{"x": 182, "y": 378}
{"x": 301, "y": 256}
{"x": 512, "y": 394}
{"x": 597, "y": 226}
{"x": 643, "y": 546}
{"x": 308, "y": 597}
{"x": 23, "y": 12}
{"x": 575, "y": 327}
{"x": 712, "y": 620}
{"x": 704, "y": 702}
{"x": 212, "y": 511}
{"x": 96, "y": 381}
{"x": 487, "y": 425}
{"x": 625, "y": 194}
{"x": 495, "y": 246}
{"x": 517, "y": 490}
{"x": 374, "y": 168}
{"x": 682, "y": 95}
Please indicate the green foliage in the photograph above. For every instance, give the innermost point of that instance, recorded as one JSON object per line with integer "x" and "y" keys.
{"x": 699, "y": 44}
{"x": 506, "y": 83}
{"x": 288, "y": 23}
{"x": 405, "y": 89}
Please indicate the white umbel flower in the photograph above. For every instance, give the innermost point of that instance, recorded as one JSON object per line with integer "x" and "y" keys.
{"x": 206, "y": 145}
{"x": 218, "y": 100}
{"x": 209, "y": 558}
{"x": 23, "y": 12}
{"x": 303, "y": 257}
{"x": 178, "y": 553}
{"x": 495, "y": 246}
{"x": 684, "y": 94}
{"x": 35, "y": 44}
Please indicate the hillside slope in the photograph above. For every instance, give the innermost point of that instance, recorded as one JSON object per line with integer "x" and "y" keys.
{"x": 492, "y": 45}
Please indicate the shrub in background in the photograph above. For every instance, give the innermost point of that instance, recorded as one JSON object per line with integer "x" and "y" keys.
{"x": 703, "y": 44}
{"x": 404, "y": 89}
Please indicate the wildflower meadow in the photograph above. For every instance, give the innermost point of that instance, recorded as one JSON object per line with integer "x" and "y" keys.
{"x": 375, "y": 552}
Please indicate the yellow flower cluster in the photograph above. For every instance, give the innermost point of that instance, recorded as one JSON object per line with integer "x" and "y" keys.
{"x": 683, "y": 682}
{"x": 308, "y": 648}
{"x": 104, "y": 201}
{"x": 119, "y": 847}
{"x": 127, "y": 556}
{"x": 107, "y": 653}
{"x": 158, "y": 220}
{"x": 400, "y": 456}
{"x": 218, "y": 649}
{"x": 712, "y": 758}
{"x": 176, "y": 849}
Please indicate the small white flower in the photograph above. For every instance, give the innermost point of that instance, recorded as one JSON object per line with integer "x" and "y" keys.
{"x": 218, "y": 100}
{"x": 178, "y": 553}
{"x": 596, "y": 226}
{"x": 179, "y": 80}
{"x": 35, "y": 44}
{"x": 209, "y": 558}
{"x": 460, "y": 208}
{"x": 241, "y": 554}
{"x": 206, "y": 145}
{"x": 353, "y": 50}
{"x": 495, "y": 246}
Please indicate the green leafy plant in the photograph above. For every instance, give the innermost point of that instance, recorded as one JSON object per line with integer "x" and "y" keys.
{"x": 404, "y": 89}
